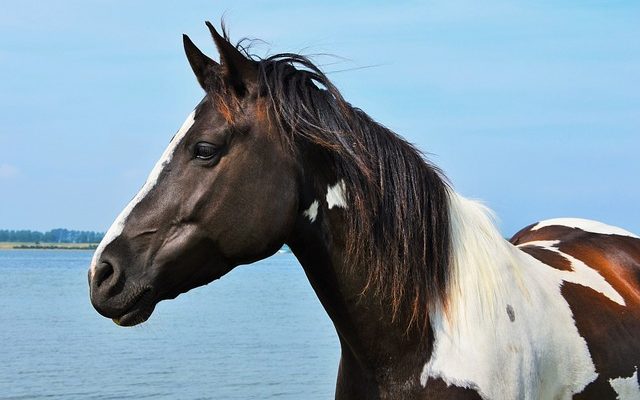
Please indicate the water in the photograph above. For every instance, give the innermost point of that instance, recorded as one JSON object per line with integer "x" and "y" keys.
{"x": 258, "y": 333}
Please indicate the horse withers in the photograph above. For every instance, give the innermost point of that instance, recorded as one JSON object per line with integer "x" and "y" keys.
{"x": 427, "y": 298}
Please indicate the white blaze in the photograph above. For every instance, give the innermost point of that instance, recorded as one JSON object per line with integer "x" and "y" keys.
{"x": 118, "y": 225}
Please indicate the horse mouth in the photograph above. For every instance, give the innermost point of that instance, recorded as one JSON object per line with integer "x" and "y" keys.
{"x": 139, "y": 310}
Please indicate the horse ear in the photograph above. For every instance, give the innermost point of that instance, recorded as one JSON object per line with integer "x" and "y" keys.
{"x": 240, "y": 72}
{"x": 200, "y": 63}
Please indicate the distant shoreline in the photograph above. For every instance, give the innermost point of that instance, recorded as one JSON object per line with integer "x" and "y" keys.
{"x": 47, "y": 246}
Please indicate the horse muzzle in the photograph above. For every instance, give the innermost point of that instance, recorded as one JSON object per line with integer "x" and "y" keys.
{"x": 126, "y": 305}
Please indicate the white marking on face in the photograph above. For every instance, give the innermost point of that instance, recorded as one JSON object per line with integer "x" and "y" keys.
{"x": 476, "y": 341}
{"x": 626, "y": 388}
{"x": 312, "y": 211}
{"x": 118, "y": 225}
{"x": 336, "y": 195}
{"x": 585, "y": 225}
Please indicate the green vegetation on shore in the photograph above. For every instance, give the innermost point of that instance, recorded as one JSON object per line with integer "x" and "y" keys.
{"x": 55, "y": 239}
{"x": 47, "y": 246}
{"x": 54, "y": 236}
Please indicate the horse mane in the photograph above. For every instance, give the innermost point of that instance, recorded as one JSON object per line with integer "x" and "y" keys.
{"x": 398, "y": 227}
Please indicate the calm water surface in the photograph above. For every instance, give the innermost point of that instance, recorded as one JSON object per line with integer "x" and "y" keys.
{"x": 258, "y": 333}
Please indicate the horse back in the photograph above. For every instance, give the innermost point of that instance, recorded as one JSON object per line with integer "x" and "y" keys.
{"x": 609, "y": 324}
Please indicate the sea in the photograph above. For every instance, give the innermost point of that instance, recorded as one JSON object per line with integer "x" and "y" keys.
{"x": 257, "y": 333}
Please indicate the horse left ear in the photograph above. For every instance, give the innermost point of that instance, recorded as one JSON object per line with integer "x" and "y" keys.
{"x": 239, "y": 71}
{"x": 200, "y": 63}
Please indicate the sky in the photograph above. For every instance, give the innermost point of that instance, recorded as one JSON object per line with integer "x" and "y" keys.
{"x": 532, "y": 107}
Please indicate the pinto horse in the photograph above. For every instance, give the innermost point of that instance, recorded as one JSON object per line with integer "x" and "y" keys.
{"x": 428, "y": 300}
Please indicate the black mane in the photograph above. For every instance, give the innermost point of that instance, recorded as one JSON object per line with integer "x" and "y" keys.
{"x": 399, "y": 230}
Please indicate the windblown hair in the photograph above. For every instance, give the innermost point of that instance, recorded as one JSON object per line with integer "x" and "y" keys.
{"x": 398, "y": 228}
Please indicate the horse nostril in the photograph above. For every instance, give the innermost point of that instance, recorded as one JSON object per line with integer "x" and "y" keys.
{"x": 103, "y": 272}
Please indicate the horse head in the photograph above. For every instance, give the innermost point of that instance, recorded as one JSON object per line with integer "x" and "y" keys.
{"x": 224, "y": 193}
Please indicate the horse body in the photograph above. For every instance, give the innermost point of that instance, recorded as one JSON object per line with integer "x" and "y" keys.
{"x": 509, "y": 327}
{"x": 600, "y": 270}
{"x": 429, "y": 301}
{"x": 530, "y": 318}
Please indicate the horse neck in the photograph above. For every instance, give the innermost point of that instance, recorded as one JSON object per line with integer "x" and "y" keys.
{"x": 379, "y": 347}
{"x": 318, "y": 241}
{"x": 367, "y": 333}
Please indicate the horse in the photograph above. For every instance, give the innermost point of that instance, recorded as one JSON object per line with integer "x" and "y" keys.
{"x": 429, "y": 301}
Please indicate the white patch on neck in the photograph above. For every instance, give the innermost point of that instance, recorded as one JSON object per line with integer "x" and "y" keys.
{"x": 312, "y": 211}
{"x": 586, "y": 225}
{"x": 505, "y": 313}
{"x": 118, "y": 225}
{"x": 626, "y": 388}
{"x": 336, "y": 195}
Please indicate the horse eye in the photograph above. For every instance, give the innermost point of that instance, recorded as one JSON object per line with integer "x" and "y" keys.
{"x": 205, "y": 151}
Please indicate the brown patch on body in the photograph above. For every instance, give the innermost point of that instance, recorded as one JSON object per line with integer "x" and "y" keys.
{"x": 611, "y": 330}
{"x": 438, "y": 389}
{"x": 548, "y": 257}
{"x": 552, "y": 232}
{"x": 615, "y": 257}
{"x": 599, "y": 389}
{"x": 612, "y": 335}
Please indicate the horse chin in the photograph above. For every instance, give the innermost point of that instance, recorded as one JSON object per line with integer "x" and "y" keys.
{"x": 139, "y": 311}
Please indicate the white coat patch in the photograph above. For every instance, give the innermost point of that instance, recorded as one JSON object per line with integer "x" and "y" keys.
{"x": 118, "y": 225}
{"x": 336, "y": 195}
{"x": 626, "y": 388}
{"x": 507, "y": 332}
{"x": 586, "y": 225}
{"x": 312, "y": 211}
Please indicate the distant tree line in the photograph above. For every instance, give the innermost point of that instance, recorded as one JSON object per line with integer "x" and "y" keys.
{"x": 53, "y": 236}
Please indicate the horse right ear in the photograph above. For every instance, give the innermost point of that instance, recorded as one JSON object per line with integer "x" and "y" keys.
{"x": 239, "y": 72}
{"x": 201, "y": 65}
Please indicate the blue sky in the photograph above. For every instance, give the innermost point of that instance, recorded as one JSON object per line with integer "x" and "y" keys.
{"x": 532, "y": 107}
